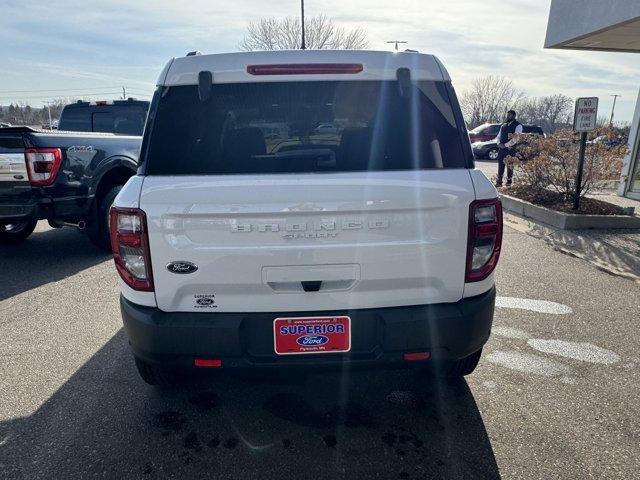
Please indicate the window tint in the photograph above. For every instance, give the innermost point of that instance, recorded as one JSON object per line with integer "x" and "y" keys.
{"x": 11, "y": 145}
{"x": 76, "y": 120}
{"x": 492, "y": 130}
{"x": 284, "y": 127}
{"x": 102, "y": 122}
{"x": 119, "y": 119}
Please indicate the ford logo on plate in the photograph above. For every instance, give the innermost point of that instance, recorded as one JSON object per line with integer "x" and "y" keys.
{"x": 310, "y": 340}
{"x": 182, "y": 267}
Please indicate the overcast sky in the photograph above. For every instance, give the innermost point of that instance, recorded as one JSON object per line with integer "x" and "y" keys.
{"x": 95, "y": 47}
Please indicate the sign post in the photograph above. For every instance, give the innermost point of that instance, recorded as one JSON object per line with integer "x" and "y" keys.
{"x": 584, "y": 120}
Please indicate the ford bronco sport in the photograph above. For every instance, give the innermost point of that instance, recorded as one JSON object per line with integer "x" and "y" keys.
{"x": 253, "y": 236}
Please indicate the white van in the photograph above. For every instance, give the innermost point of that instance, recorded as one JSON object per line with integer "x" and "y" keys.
{"x": 372, "y": 242}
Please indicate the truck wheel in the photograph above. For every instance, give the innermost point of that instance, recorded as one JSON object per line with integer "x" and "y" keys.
{"x": 13, "y": 233}
{"x": 460, "y": 368}
{"x": 99, "y": 234}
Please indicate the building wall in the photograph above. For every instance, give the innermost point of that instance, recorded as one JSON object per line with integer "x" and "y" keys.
{"x": 632, "y": 160}
{"x": 570, "y": 19}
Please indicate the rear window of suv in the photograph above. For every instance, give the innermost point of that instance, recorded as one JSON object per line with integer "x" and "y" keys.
{"x": 302, "y": 127}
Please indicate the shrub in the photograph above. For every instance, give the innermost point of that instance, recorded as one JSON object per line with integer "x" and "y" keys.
{"x": 544, "y": 164}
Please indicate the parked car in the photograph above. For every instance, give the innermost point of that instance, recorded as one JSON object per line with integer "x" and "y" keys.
{"x": 608, "y": 142}
{"x": 484, "y": 132}
{"x": 4, "y": 124}
{"x": 377, "y": 248}
{"x": 52, "y": 126}
{"x": 489, "y": 149}
{"x": 69, "y": 178}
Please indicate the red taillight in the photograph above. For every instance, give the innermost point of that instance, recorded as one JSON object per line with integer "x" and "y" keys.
{"x": 485, "y": 238}
{"x": 130, "y": 245}
{"x": 42, "y": 165}
{"x": 208, "y": 362}
{"x": 304, "y": 68}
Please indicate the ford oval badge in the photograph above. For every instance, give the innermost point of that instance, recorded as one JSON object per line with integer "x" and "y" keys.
{"x": 182, "y": 267}
{"x": 310, "y": 340}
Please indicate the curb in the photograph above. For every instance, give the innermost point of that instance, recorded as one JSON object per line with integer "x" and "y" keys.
{"x": 567, "y": 221}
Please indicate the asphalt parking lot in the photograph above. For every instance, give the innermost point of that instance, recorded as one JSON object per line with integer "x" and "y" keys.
{"x": 556, "y": 395}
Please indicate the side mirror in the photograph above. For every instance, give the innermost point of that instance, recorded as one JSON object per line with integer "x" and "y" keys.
{"x": 205, "y": 82}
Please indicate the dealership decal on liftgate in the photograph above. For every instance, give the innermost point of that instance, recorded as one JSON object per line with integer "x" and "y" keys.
{"x": 205, "y": 300}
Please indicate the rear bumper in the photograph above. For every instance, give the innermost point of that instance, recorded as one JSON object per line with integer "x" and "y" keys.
{"x": 245, "y": 340}
{"x": 22, "y": 209}
{"x": 17, "y": 210}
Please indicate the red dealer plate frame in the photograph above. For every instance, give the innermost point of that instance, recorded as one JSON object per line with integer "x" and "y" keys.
{"x": 306, "y": 335}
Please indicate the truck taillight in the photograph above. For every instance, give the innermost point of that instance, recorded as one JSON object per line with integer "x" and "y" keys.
{"x": 485, "y": 238}
{"x": 42, "y": 165}
{"x": 130, "y": 245}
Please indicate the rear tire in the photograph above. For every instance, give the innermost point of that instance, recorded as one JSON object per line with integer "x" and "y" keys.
{"x": 14, "y": 233}
{"x": 460, "y": 368}
{"x": 157, "y": 376}
{"x": 99, "y": 233}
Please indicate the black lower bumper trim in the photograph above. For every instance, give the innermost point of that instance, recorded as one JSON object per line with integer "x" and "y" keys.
{"x": 14, "y": 212}
{"x": 449, "y": 331}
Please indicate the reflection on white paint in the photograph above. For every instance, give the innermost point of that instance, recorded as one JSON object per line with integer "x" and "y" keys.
{"x": 540, "y": 306}
{"x": 527, "y": 363}
{"x": 585, "y": 352}
{"x": 509, "y": 332}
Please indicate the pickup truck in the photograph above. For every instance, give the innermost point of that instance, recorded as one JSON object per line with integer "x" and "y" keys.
{"x": 69, "y": 178}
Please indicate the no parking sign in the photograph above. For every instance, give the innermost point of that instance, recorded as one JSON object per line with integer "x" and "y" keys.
{"x": 586, "y": 114}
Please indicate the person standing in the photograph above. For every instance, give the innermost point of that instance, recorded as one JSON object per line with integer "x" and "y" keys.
{"x": 506, "y": 140}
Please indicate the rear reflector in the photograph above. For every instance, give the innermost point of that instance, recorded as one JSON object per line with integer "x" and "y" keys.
{"x": 207, "y": 362}
{"x": 416, "y": 356}
{"x": 304, "y": 68}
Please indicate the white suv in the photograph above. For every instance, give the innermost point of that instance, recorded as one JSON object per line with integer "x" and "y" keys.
{"x": 253, "y": 238}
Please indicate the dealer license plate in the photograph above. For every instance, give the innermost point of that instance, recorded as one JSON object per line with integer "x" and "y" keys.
{"x": 300, "y": 335}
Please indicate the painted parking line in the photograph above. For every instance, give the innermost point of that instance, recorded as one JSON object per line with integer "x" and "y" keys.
{"x": 540, "y": 306}
{"x": 528, "y": 363}
{"x": 584, "y": 352}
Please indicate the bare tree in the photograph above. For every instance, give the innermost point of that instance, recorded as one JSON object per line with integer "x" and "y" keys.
{"x": 321, "y": 33}
{"x": 488, "y": 99}
{"x": 550, "y": 112}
